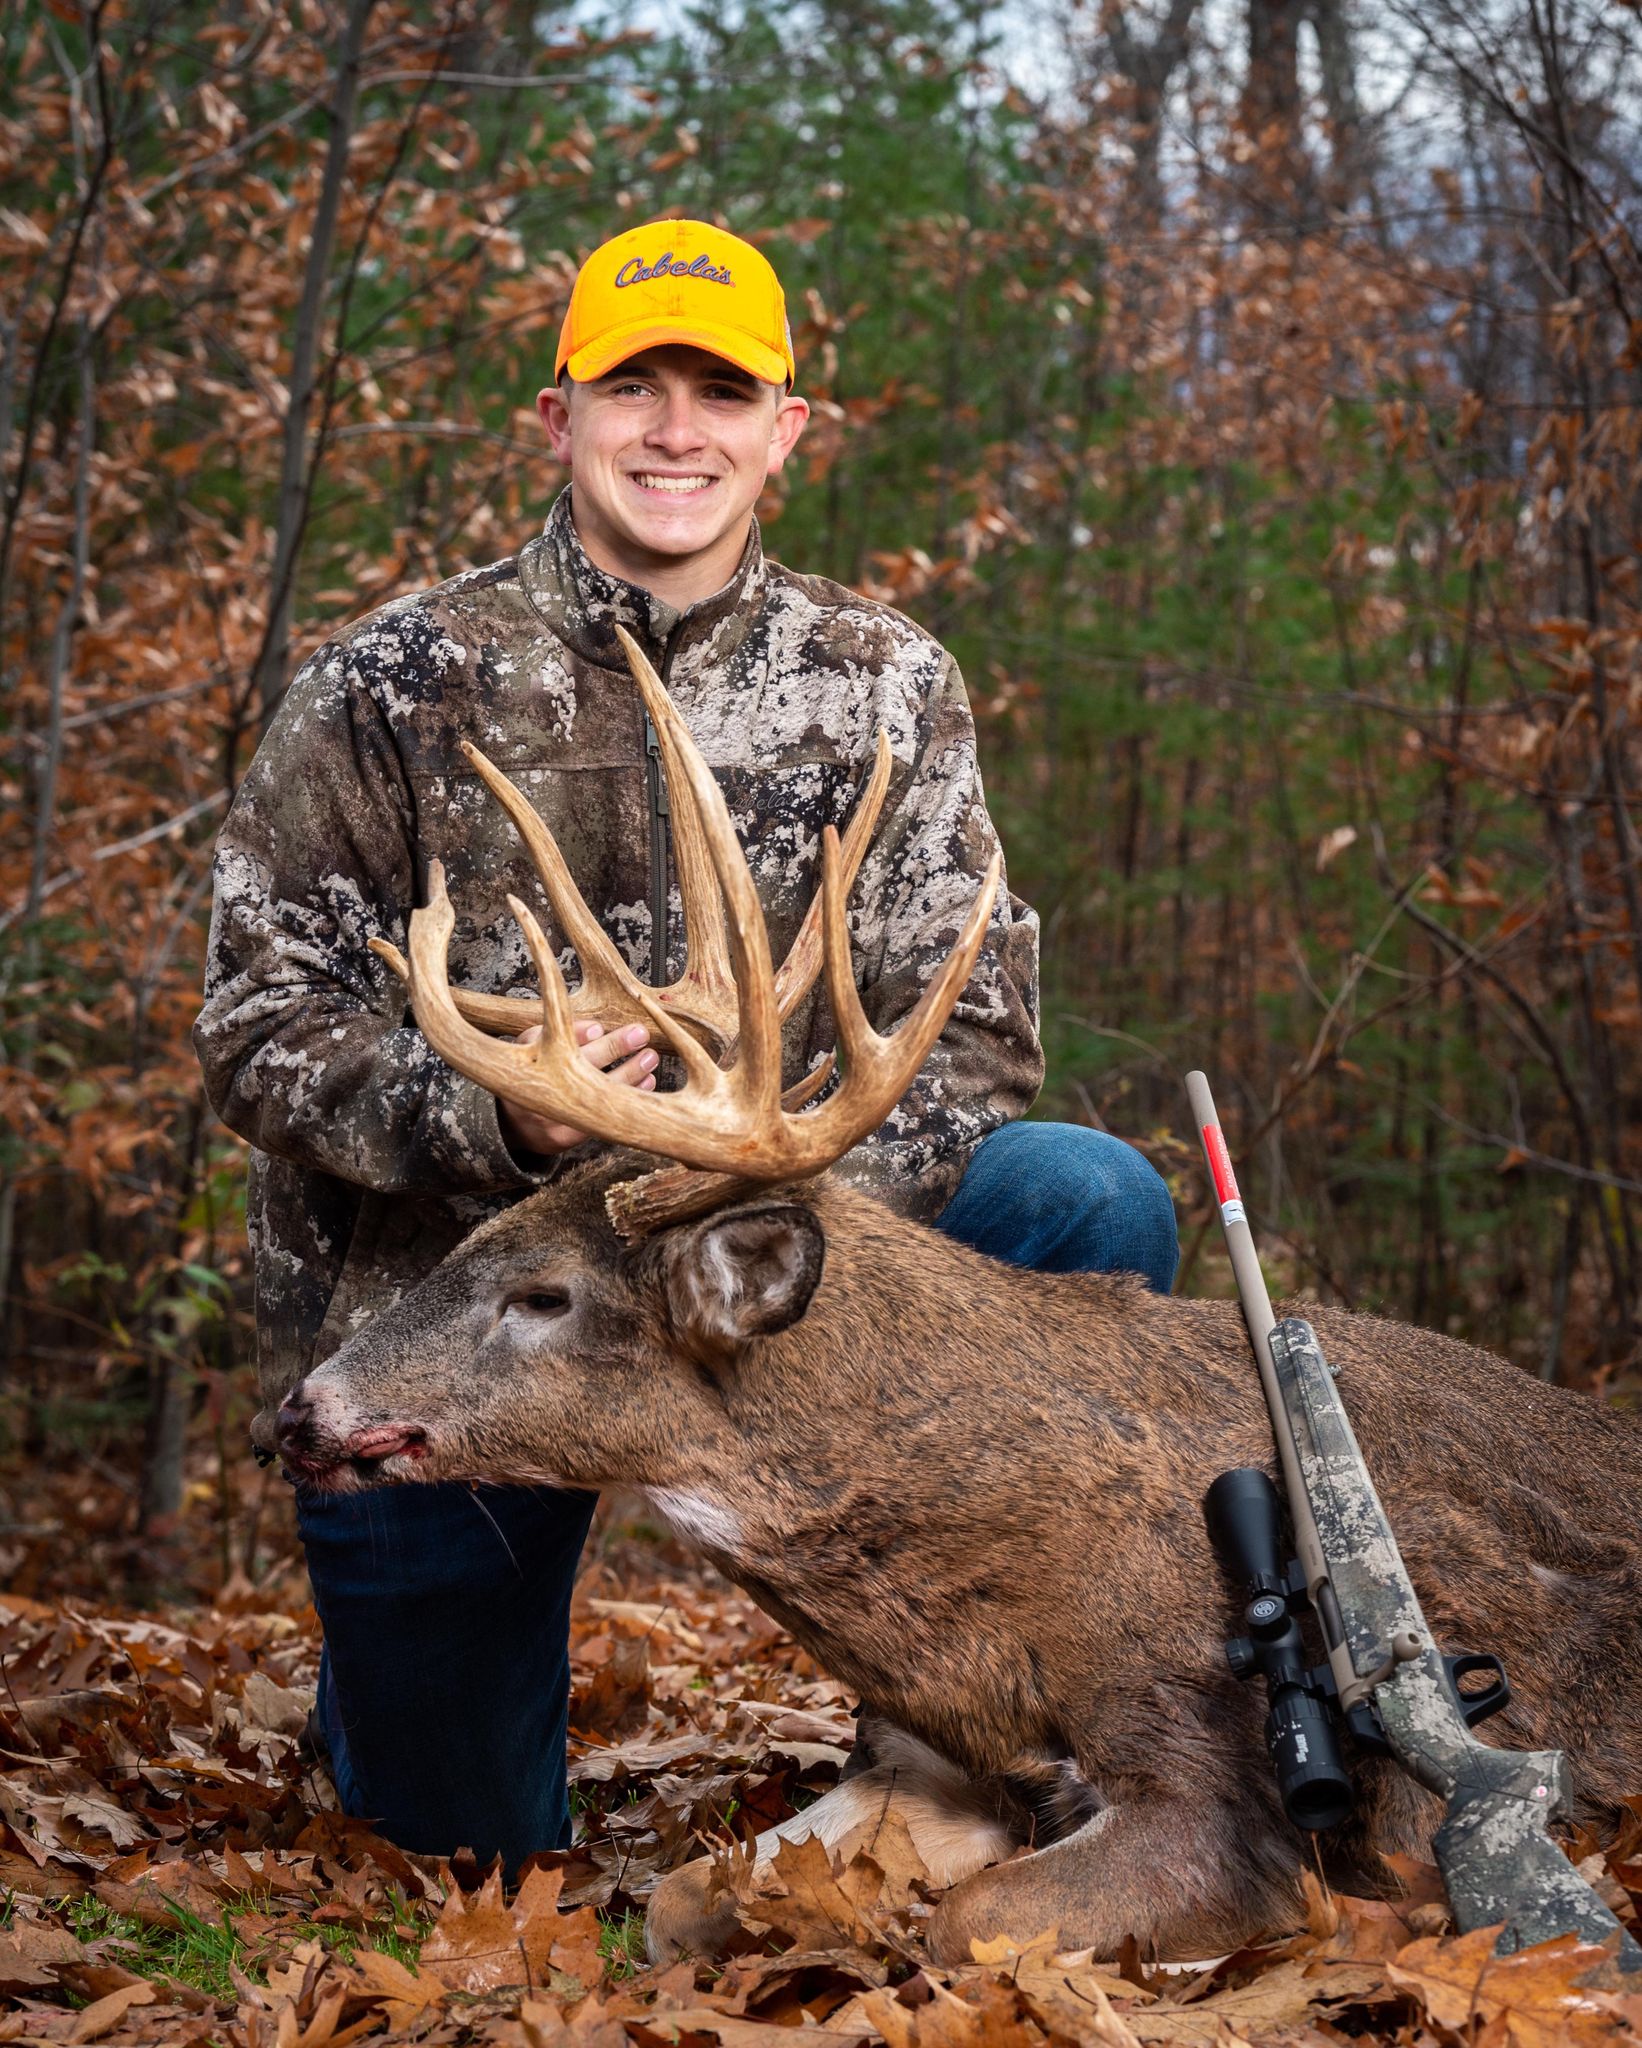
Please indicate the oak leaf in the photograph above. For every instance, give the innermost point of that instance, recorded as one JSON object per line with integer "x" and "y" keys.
{"x": 403, "y": 1993}
{"x": 986, "y": 2014}
{"x": 1547, "y": 1996}
{"x": 801, "y": 1898}
{"x": 1068, "y": 1991}
{"x": 479, "y": 1944}
{"x": 1280, "y": 1996}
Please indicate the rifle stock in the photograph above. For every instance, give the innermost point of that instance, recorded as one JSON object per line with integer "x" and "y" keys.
{"x": 1498, "y": 1861}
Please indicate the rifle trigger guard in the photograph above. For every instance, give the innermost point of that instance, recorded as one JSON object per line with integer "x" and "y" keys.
{"x": 1477, "y": 1706}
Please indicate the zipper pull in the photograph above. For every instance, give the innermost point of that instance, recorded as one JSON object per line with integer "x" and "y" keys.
{"x": 659, "y": 804}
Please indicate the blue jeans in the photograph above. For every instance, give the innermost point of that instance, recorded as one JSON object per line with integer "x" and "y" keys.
{"x": 445, "y": 1684}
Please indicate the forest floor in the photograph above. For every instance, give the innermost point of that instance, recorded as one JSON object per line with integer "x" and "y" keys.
{"x": 173, "y": 1868}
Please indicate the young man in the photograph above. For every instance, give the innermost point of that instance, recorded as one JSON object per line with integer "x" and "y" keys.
{"x": 445, "y": 1683}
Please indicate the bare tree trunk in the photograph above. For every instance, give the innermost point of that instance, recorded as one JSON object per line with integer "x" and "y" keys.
{"x": 45, "y": 811}
{"x": 293, "y": 500}
{"x": 1337, "y": 61}
{"x": 1148, "y": 67}
{"x": 1270, "y": 112}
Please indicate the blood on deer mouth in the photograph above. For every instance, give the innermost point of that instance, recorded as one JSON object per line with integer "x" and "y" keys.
{"x": 369, "y": 1447}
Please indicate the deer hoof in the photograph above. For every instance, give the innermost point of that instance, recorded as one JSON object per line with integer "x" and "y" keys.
{"x": 688, "y": 1915}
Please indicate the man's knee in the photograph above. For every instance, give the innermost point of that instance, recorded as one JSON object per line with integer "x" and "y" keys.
{"x": 441, "y": 1543}
{"x": 1063, "y": 1199}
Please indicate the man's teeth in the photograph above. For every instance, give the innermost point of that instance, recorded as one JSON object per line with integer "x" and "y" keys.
{"x": 675, "y": 483}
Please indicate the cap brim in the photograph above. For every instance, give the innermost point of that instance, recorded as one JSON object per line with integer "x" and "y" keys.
{"x": 735, "y": 346}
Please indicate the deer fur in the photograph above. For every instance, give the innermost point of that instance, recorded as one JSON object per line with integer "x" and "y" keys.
{"x": 974, "y": 1494}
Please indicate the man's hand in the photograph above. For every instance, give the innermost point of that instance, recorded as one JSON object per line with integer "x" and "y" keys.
{"x": 526, "y": 1132}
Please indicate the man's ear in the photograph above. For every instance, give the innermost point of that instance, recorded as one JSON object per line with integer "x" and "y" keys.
{"x": 790, "y": 414}
{"x": 744, "y": 1274}
{"x": 553, "y": 405}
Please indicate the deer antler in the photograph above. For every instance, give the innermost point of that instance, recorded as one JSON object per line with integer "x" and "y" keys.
{"x": 729, "y": 1123}
{"x": 703, "y": 998}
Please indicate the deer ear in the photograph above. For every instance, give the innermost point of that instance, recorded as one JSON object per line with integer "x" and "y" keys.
{"x": 745, "y": 1274}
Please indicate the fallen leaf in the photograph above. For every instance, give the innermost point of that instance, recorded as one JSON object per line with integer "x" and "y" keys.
{"x": 107, "y": 2013}
{"x": 882, "y": 1866}
{"x": 478, "y": 1944}
{"x": 616, "y": 1700}
{"x": 403, "y": 1993}
{"x": 1546, "y": 1996}
{"x": 986, "y": 2014}
{"x": 275, "y": 1709}
{"x": 32, "y": 1955}
{"x": 1279, "y": 1996}
{"x": 799, "y": 1896}
{"x": 729, "y": 2029}
{"x": 1066, "y": 1990}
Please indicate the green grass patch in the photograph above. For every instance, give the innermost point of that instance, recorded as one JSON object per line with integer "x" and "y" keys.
{"x": 203, "y": 1953}
{"x": 621, "y": 1943}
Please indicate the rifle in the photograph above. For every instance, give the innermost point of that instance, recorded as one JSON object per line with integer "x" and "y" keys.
{"x": 1385, "y": 1681}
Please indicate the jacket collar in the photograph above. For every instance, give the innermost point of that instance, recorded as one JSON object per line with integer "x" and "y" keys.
{"x": 584, "y": 605}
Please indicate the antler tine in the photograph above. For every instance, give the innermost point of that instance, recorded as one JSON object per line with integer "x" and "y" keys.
{"x": 878, "y": 1071}
{"x": 607, "y": 983}
{"x": 707, "y": 956}
{"x": 501, "y": 1016}
{"x": 735, "y": 1123}
{"x": 758, "y": 1063}
{"x": 796, "y": 974}
{"x": 556, "y": 1009}
{"x": 703, "y": 1000}
{"x": 673, "y": 1194}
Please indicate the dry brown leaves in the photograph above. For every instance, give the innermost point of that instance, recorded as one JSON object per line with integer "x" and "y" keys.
{"x": 155, "y": 1778}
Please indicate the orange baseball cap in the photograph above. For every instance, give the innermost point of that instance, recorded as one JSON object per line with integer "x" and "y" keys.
{"x": 677, "y": 280}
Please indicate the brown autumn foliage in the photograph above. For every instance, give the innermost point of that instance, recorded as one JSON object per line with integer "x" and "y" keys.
{"x": 157, "y": 1781}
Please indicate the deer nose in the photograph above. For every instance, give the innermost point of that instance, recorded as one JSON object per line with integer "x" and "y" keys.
{"x": 293, "y": 1426}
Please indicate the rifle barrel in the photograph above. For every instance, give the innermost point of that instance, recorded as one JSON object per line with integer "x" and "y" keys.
{"x": 1257, "y": 1315}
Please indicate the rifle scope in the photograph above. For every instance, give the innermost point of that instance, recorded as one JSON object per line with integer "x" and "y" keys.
{"x": 1241, "y": 1511}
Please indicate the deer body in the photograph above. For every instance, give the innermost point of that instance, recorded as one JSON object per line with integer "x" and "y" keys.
{"x": 974, "y": 1494}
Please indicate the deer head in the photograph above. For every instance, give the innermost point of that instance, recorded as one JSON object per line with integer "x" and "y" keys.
{"x": 574, "y": 1292}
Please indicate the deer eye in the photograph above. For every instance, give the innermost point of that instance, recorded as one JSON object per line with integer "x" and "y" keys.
{"x": 542, "y": 1301}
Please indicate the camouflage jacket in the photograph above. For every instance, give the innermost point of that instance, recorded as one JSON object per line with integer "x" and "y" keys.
{"x": 371, "y": 1158}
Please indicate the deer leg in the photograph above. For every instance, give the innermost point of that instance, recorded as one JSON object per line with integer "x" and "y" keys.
{"x": 693, "y": 1910}
{"x": 1185, "y": 1878}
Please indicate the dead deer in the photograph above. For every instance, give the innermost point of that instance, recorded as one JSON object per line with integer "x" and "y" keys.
{"x": 973, "y": 1493}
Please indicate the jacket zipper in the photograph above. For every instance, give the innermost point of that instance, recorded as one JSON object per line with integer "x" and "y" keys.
{"x": 660, "y": 829}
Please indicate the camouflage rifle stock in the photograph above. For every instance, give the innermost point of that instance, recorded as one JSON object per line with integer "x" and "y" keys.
{"x": 1390, "y": 1682}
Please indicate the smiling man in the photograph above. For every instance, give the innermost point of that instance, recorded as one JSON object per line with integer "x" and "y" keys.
{"x": 444, "y": 1687}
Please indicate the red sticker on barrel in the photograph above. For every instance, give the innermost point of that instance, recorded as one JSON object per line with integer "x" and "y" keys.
{"x": 1225, "y": 1181}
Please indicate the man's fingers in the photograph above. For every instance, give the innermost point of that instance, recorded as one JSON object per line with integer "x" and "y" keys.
{"x": 625, "y": 1055}
{"x": 638, "y": 1072}
{"x": 586, "y": 1029}
{"x": 609, "y": 1046}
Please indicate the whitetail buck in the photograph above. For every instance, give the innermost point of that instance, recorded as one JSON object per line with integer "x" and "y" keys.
{"x": 972, "y": 1492}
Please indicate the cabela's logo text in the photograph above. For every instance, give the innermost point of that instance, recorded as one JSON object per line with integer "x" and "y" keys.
{"x": 633, "y": 271}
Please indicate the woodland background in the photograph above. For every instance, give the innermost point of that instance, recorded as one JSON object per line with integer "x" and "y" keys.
{"x": 1250, "y": 392}
{"x": 1250, "y": 395}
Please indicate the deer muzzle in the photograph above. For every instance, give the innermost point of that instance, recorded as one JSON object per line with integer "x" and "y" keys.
{"x": 324, "y": 1444}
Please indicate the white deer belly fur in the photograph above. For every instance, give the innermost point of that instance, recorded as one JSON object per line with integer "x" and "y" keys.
{"x": 953, "y": 1840}
{"x": 706, "y": 1523}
